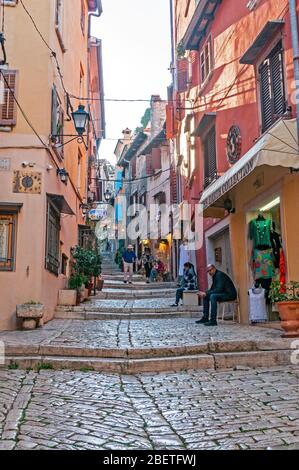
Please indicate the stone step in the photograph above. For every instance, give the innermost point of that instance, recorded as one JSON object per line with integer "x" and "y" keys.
{"x": 139, "y": 285}
{"x": 123, "y": 316}
{"x": 119, "y": 294}
{"x": 146, "y": 312}
{"x": 210, "y": 361}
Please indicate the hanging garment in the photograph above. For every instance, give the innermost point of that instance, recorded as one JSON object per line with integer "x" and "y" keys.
{"x": 263, "y": 264}
{"x": 276, "y": 245}
{"x": 257, "y": 305}
{"x": 259, "y": 232}
{"x": 282, "y": 273}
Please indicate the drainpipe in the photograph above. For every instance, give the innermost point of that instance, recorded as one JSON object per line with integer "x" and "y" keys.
{"x": 295, "y": 43}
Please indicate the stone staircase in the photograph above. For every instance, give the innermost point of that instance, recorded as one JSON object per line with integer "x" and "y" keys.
{"x": 132, "y": 329}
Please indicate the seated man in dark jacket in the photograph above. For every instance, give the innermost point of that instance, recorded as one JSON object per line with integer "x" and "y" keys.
{"x": 189, "y": 282}
{"x": 222, "y": 290}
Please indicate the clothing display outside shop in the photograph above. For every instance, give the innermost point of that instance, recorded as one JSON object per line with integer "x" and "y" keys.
{"x": 266, "y": 256}
{"x": 257, "y": 305}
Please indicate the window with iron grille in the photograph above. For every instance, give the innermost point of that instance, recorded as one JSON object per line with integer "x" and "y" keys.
{"x": 8, "y": 89}
{"x": 210, "y": 160}
{"x": 52, "y": 241}
{"x": 272, "y": 87}
{"x": 7, "y": 241}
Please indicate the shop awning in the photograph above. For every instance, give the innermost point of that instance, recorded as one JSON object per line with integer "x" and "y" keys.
{"x": 277, "y": 147}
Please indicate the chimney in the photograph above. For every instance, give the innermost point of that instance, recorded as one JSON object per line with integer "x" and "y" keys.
{"x": 158, "y": 114}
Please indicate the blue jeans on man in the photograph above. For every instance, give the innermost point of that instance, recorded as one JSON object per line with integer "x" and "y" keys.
{"x": 214, "y": 299}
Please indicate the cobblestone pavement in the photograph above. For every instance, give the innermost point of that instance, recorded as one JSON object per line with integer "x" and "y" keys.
{"x": 245, "y": 409}
{"x": 136, "y": 333}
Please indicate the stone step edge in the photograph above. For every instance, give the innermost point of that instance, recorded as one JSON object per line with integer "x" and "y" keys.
{"x": 232, "y": 347}
{"x": 221, "y": 361}
{"x": 127, "y": 310}
{"x": 102, "y": 316}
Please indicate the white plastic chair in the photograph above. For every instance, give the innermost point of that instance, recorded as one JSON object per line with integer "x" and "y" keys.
{"x": 222, "y": 308}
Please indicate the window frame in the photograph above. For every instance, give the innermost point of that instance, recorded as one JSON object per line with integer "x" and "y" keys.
{"x": 203, "y": 61}
{"x": 59, "y": 7}
{"x": 10, "y": 264}
{"x": 269, "y": 52}
{"x": 57, "y": 138}
{"x": 10, "y": 122}
{"x": 209, "y": 179}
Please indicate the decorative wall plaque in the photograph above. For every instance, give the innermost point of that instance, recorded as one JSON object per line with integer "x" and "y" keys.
{"x": 218, "y": 255}
{"x": 27, "y": 182}
{"x": 234, "y": 144}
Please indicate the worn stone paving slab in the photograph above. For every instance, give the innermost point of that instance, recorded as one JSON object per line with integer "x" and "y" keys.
{"x": 187, "y": 410}
{"x": 143, "y": 334}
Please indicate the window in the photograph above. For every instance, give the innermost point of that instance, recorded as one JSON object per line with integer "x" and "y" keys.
{"x": 64, "y": 259}
{"x": 206, "y": 63}
{"x": 7, "y": 241}
{"x": 210, "y": 161}
{"x": 59, "y": 22}
{"x": 57, "y": 123}
{"x": 8, "y": 88}
{"x": 53, "y": 236}
{"x": 272, "y": 88}
{"x": 83, "y": 15}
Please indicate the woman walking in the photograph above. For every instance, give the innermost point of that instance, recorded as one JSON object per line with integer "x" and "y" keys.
{"x": 147, "y": 261}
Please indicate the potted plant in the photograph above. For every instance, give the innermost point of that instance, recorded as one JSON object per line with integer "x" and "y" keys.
{"x": 287, "y": 299}
{"x": 76, "y": 282}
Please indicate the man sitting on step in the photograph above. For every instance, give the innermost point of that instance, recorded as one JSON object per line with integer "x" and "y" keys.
{"x": 188, "y": 283}
{"x": 222, "y": 290}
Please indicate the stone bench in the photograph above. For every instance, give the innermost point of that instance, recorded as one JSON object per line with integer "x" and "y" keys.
{"x": 190, "y": 297}
{"x": 31, "y": 315}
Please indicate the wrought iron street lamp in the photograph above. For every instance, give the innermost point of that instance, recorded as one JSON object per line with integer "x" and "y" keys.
{"x": 107, "y": 195}
{"x": 81, "y": 118}
{"x": 63, "y": 174}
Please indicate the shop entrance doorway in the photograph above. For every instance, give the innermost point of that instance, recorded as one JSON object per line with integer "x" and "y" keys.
{"x": 221, "y": 251}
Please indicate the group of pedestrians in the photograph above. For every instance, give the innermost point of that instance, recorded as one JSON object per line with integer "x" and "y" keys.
{"x": 153, "y": 267}
{"x": 222, "y": 288}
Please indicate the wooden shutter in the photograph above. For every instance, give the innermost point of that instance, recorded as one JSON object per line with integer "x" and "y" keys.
{"x": 210, "y": 157}
{"x": 133, "y": 168}
{"x": 53, "y": 236}
{"x": 277, "y": 81}
{"x": 273, "y": 100}
{"x": 173, "y": 186}
{"x": 54, "y": 114}
{"x": 8, "y": 105}
{"x": 149, "y": 168}
{"x": 182, "y": 75}
{"x": 169, "y": 121}
{"x": 156, "y": 159}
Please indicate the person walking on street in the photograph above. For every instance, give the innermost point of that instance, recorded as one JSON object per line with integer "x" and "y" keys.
{"x": 188, "y": 283}
{"x": 222, "y": 290}
{"x": 147, "y": 261}
{"x": 129, "y": 258}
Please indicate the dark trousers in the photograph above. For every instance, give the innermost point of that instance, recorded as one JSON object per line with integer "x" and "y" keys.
{"x": 148, "y": 269}
{"x": 214, "y": 299}
{"x": 179, "y": 294}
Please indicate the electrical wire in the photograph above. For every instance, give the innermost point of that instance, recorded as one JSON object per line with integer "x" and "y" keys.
{"x": 131, "y": 180}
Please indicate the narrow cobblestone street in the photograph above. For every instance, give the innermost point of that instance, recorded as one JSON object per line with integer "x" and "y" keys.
{"x": 245, "y": 409}
{"x": 230, "y": 402}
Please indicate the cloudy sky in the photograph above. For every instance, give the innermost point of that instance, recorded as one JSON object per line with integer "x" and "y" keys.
{"x": 136, "y": 55}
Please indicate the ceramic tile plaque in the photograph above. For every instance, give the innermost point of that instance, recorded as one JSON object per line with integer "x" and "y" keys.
{"x": 27, "y": 182}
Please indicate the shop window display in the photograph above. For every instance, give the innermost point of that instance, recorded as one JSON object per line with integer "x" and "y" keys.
{"x": 266, "y": 252}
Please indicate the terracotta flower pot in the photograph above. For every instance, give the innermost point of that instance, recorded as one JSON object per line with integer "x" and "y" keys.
{"x": 289, "y": 314}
